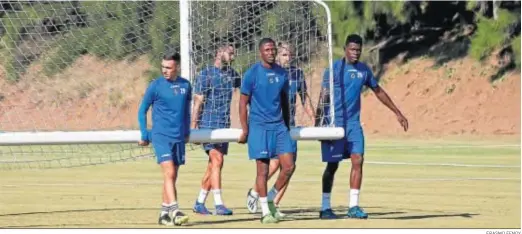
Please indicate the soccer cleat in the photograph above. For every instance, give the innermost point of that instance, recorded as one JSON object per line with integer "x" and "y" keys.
{"x": 269, "y": 218}
{"x": 274, "y": 211}
{"x": 272, "y": 208}
{"x": 165, "y": 220}
{"x": 356, "y": 212}
{"x": 179, "y": 218}
{"x": 327, "y": 214}
{"x": 222, "y": 210}
{"x": 251, "y": 202}
{"x": 279, "y": 214}
{"x": 200, "y": 208}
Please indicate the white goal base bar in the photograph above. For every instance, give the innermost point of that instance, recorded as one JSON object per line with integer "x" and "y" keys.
{"x": 132, "y": 136}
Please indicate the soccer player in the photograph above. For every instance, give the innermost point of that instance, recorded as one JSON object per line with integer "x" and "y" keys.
{"x": 170, "y": 97}
{"x": 265, "y": 89}
{"x": 350, "y": 75}
{"x": 297, "y": 86}
{"x": 214, "y": 88}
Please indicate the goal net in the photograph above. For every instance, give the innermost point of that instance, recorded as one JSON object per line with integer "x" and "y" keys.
{"x": 72, "y": 73}
{"x": 300, "y": 29}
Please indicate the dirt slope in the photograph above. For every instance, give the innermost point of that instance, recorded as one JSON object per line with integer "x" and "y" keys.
{"x": 454, "y": 99}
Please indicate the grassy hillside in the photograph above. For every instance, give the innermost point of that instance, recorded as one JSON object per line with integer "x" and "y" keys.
{"x": 84, "y": 65}
{"x": 57, "y": 33}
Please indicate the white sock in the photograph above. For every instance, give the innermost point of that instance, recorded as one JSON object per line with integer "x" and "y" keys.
{"x": 217, "y": 197}
{"x": 272, "y": 194}
{"x": 264, "y": 206}
{"x": 164, "y": 209}
{"x": 326, "y": 202}
{"x": 202, "y": 196}
{"x": 354, "y": 197}
{"x": 254, "y": 193}
{"x": 172, "y": 207}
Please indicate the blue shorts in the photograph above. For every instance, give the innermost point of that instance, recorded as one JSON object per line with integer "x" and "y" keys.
{"x": 221, "y": 147}
{"x": 268, "y": 144}
{"x": 166, "y": 150}
{"x": 294, "y": 148}
{"x": 338, "y": 150}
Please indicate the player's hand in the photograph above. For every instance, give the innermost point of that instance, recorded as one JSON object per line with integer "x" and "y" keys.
{"x": 403, "y": 121}
{"x": 143, "y": 143}
{"x": 243, "y": 137}
{"x": 194, "y": 125}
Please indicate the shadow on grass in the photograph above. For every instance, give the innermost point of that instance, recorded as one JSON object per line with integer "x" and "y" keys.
{"x": 294, "y": 214}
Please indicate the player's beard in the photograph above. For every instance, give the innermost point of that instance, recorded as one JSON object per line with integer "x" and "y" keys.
{"x": 225, "y": 63}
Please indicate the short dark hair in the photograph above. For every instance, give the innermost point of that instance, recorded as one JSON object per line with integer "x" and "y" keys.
{"x": 222, "y": 46}
{"x": 172, "y": 56}
{"x": 265, "y": 41}
{"x": 353, "y": 38}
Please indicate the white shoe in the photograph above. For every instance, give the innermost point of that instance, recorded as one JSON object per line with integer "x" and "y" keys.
{"x": 279, "y": 214}
{"x": 251, "y": 202}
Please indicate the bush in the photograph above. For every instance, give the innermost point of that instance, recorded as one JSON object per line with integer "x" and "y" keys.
{"x": 490, "y": 34}
{"x": 515, "y": 45}
{"x": 68, "y": 50}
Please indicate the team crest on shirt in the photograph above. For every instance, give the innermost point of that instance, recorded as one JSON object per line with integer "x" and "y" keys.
{"x": 353, "y": 75}
{"x": 272, "y": 78}
{"x": 177, "y": 90}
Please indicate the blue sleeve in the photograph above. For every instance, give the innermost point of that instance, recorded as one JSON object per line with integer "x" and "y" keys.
{"x": 248, "y": 83}
{"x": 146, "y": 102}
{"x": 326, "y": 79}
{"x": 302, "y": 86}
{"x": 237, "y": 79}
{"x": 187, "y": 110}
{"x": 286, "y": 85}
{"x": 201, "y": 83}
{"x": 370, "y": 79}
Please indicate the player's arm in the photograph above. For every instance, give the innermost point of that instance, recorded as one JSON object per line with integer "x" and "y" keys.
{"x": 198, "y": 102}
{"x": 246, "y": 91}
{"x": 324, "y": 98}
{"x": 146, "y": 102}
{"x": 285, "y": 106}
{"x": 243, "y": 112}
{"x": 199, "y": 98}
{"x": 186, "y": 119}
{"x": 385, "y": 99}
{"x": 236, "y": 85}
{"x": 237, "y": 80}
{"x": 305, "y": 98}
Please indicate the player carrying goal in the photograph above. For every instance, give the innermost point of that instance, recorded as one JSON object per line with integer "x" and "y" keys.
{"x": 350, "y": 75}
{"x": 213, "y": 94}
{"x": 267, "y": 126}
{"x": 169, "y": 96}
{"x": 297, "y": 86}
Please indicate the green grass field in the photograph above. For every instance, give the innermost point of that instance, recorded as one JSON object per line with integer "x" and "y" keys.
{"x": 407, "y": 184}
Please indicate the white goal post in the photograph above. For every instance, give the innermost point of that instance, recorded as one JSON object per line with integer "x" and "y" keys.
{"x": 118, "y": 137}
{"x": 328, "y": 132}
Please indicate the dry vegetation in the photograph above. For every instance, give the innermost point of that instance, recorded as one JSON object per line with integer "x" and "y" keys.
{"x": 454, "y": 99}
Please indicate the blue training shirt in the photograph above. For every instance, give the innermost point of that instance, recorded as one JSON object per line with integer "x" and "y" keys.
{"x": 217, "y": 86}
{"x": 265, "y": 86}
{"x": 348, "y": 85}
{"x": 297, "y": 86}
{"x": 170, "y": 100}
